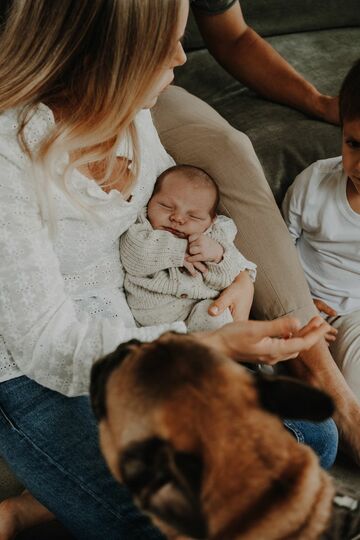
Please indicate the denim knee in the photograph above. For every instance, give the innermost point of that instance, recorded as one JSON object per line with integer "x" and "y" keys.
{"x": 322, "y": 437}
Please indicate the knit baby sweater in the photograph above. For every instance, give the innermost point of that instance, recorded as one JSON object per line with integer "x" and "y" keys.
{"x": 157, "y": 286}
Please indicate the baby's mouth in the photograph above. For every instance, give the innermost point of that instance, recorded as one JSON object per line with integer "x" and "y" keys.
{"x": 175, "y": 232}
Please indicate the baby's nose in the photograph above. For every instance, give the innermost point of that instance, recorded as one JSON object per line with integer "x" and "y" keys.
{"x": 179, "y": 218}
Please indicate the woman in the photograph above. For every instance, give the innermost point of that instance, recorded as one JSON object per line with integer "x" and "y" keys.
{"x": 78, "y": 159}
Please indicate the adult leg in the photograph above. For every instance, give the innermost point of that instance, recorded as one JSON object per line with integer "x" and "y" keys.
{"x": 194, "y": 133}
{"x": 322, "y": 437}
{"x": 50, "y": 442}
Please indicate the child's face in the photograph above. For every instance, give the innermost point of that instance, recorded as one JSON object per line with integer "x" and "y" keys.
{"x": 351, "y": 152}
{"x": 181, "y": 207}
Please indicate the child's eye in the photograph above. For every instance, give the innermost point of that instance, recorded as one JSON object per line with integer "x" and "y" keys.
{"x": 165, "y": 206}
{"x": 197, "y": 218}
{"x": 351, "y": 143}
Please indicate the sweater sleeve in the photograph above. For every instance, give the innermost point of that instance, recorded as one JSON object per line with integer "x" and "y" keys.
{"x": 47, "y": 339}
{"x": 145, "y": 251}
{"x": 221, "y": 275}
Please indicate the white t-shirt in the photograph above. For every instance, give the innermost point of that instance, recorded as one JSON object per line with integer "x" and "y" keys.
{"x": 327, "y": 234}
{"x": 62, "y": 303}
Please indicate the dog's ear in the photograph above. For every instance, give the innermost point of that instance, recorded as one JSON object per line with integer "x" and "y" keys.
{"x": 166, "y": 483}
{"x": 290, "y": 398}
{"x": 101, "y": 372}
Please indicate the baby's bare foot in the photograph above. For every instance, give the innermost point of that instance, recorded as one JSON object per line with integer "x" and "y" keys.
{"x": 19, "y": 513}
{"x": 9, "y": 526}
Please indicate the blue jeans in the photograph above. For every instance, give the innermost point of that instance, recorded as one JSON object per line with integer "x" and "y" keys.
{"x": 322, "y": 437}
{"x": 50, "y": 442}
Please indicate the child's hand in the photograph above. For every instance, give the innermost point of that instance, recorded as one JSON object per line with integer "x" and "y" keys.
{"x": 325, "y": 308}
{"x": 204, "y": 249}
{"x": 330, "y": 334}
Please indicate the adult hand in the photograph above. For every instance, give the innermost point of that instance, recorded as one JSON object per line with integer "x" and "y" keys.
{"x": 237, "y": 298}
{"x": 328, "y": 109}
{"x": 265, "y": 341}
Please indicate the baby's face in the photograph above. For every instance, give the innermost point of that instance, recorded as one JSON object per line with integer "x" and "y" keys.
{"x": 181, "y": 207}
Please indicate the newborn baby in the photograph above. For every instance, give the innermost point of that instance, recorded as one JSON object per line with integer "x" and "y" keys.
{"x": 180, "y": 255}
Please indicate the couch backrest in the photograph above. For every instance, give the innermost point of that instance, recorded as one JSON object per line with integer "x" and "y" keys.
{"x": 274, "y": 17}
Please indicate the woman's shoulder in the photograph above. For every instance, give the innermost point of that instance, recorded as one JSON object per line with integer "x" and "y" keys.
{"x": 37, "y": 127}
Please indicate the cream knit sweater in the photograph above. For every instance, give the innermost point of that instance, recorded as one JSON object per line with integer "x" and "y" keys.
{"x": 156, "y": 285}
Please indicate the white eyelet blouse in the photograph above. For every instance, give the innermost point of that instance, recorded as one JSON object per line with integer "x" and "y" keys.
{"x": 62, "y": 303}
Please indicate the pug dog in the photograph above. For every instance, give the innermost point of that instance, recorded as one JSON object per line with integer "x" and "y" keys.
{"x": 199, "y": 442}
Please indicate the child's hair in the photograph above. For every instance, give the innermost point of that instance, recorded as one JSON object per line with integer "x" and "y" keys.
{"x": 349, "y": 98}
{"x": 93, "y": 59}
{"x": 192, "y": 173}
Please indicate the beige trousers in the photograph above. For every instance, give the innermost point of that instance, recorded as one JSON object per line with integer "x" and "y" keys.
{"x": 194, "y": 133}
{"x": 346, "y": 349}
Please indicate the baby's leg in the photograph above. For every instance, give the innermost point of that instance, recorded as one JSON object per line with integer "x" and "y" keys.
{"x": 199, "y": 318}
{"x": 20, "y": 513}
{"x": 346, "y": 349}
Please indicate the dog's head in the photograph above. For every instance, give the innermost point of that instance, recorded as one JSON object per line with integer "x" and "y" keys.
{"x": 183, "y": 426}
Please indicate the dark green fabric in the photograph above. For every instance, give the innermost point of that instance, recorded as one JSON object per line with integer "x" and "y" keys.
{"x": 275, "y": 17}
{"x": 285, "y": 140}
{"x": 212, "y": 6}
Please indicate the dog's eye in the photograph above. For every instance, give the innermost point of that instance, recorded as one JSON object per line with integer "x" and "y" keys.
{"x": 134, "y": 473}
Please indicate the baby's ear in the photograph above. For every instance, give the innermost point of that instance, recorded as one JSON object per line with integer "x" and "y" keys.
{"x": 290, "y": 398}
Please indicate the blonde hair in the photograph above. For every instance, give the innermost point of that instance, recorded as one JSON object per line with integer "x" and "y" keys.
{"x": 95, "y": 59}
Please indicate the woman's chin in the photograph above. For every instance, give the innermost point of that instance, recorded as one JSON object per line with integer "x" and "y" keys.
{"x": 149, "y": 104}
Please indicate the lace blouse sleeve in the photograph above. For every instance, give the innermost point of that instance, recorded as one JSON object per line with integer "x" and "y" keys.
{"x": 48, "y": 341}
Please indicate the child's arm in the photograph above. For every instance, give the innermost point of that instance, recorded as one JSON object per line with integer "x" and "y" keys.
{"x": 144, "y": 251}
{"x": 294, "y": 202}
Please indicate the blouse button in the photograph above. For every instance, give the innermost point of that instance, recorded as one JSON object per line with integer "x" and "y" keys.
{"x": 183, "y": 295}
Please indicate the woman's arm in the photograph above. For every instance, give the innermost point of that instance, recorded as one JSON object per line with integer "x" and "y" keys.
{"x": 47, "y": 339}
{"x": 249, "y": 58}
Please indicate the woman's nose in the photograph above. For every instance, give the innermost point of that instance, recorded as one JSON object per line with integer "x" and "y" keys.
{"x": 179, "y": 56}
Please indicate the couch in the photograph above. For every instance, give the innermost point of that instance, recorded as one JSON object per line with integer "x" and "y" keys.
{"x": 321, "y": 39}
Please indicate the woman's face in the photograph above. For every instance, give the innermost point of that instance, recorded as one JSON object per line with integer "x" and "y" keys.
{"x": 177, "y": 57}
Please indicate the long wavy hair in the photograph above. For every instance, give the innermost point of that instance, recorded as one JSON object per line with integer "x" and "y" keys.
{"x": 96, "y": 60}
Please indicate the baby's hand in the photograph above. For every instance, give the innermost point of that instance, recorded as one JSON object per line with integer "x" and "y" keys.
{"x": 203, "y": 249}
{"x": 192, "y": 268}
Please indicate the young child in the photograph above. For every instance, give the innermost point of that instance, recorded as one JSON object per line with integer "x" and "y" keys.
{"x": 180, "y": 254}
{"x": 322, "y": 211}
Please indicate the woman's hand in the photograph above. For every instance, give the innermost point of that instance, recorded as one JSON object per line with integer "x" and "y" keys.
{"x": 237, "y": 297}
{"x": 265, "y": 341}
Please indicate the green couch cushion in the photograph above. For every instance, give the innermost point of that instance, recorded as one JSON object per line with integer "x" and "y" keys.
{"x": 275, "y": 17}
{"x": 286, "y": 141}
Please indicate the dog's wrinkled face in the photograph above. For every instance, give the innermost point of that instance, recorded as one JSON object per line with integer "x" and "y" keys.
{"x": 175, "y": 417}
